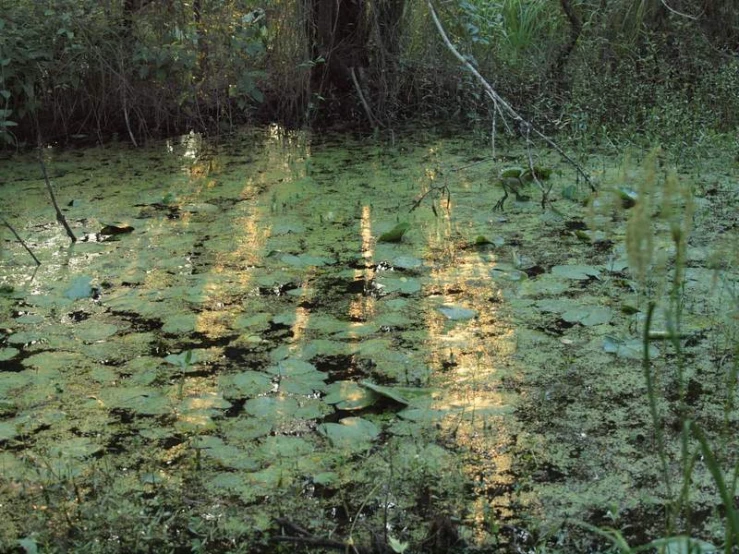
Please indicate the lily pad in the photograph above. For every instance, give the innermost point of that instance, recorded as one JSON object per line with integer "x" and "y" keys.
{"x": 588, "y": 315}
{"x": 348, "y": 395}
{"x": 298, "y": 377}
{"x": 407, "y": 262}
{"x": 395, "y": 234}
{"x": 387, "y": 392}
{"x": 246, "y": 384}
{"x": 179, "y": 324}
{"x": 145, "y": 401}
{"x": 304, "y": 260}
{"x": 8, "y": 353}
{"x": 258, "y": 321}
{"x": 403, "y": 285}
{"x": 79, "y": 288}
{"x": 632, "y": 349}
{"x": 351, "y": 433}
{"x": 225, "y": 454}
{"x": 576, "y": 272}
{"x": 457, "y": 313}
{"x": 90, "y": 331}
{"x": 76, "y": 447}
{"x": 8, "y": 430}
{"x": 183, "y": 359}
{"x": 272, "y": 408}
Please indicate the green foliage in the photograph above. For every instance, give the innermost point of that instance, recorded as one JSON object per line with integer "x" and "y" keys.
{"x": 84, "y": 66}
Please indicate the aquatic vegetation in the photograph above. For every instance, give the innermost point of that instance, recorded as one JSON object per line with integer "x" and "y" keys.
{"x": 250, "y": 360}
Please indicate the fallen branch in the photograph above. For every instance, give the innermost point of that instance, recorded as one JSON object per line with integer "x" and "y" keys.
{"x": 372, "y": 119}
{"x": 59, "y": 215}
{"x": 439, "y": 190}
{"x": 301, "y": 536}
{"x": 17, "y": 236}
{"x": 500, "y": 105}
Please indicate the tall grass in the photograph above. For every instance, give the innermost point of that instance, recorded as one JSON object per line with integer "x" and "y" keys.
{"x": 664, "y": 214}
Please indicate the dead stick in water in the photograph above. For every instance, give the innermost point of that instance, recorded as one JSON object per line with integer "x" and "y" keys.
{"x": 499, "y": 103}
{"x": 17, "y": 236}
{"x": 59, "y": 215}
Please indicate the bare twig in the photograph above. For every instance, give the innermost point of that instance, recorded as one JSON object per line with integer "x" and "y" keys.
{"x": 17, "y": 236}
{"x": 681, "y": 14}
{"x": 302, "y": 536}
{"x": 500, "y": 105}
{"x": 439, "y": 190}
{"x": 59, "y": 215}
{"x": 372, "y": 119}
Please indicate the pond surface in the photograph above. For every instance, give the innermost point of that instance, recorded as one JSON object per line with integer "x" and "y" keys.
{"x": 231, "y": 359}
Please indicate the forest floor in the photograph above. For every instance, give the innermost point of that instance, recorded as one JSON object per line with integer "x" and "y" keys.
{"x": 230, "y": 360}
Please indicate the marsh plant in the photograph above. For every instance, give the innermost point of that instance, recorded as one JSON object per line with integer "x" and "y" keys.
{"x": 691, "y": 443}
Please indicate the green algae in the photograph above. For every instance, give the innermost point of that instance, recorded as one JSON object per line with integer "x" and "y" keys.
{"x": 504, "y": 379}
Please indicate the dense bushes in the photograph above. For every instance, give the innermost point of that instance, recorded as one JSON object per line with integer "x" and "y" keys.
{"x": 152, "y": 67}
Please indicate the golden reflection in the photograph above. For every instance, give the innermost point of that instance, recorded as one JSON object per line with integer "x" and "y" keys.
{"x": 363, "y": 307}
{"x": 471, "y": 357}
{"x": 302, "y": 315}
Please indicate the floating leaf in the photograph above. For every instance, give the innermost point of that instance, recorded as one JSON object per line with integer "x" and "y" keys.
{"x": 554, "y": 305}
{"x": 351, "y": 433}
{"x": 183, "y": 359}
{"x": 281, "y": 446}
{"x": 683, "y": 545}
{"x": 628, "y": 196}
{"x": 401, "y": 284}
{"x": 457, "y": 313}
{"x": 422, "y": 414}
{"x": 348, "y": 395}
{"x": 577, "y": 272}
{"x": 285, "y": 318}
{"x": 259, "y": 321}
{"x": 145, "y": 401}
{"x": 387, "y": 392}
{"x": 79, "y": 288}
{"x": 298, "y": 377}
{"x": 76, "y": 447}
{"x": 272, "y": 408}
{"x": 8, "y": 430}
{"x": 407, "y": 262}
{"x": 225, "y": 454}
{"x": 246, "y": 384}
{"x": 304, "y": 260}
{"x": 180, "y": 324}
{"x": 8, "y": 353}
{"x": 588, "y": 315}
{"x": 395, "y": 234}
{"x": 631, "y": 349}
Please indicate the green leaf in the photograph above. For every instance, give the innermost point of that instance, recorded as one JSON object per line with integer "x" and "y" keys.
{"x": 457, "y": 313}
{"x": 29, "y": 545}
{"x": 246, "y": 384}
{"x": 348, "y": 395}
{"x": 682, "y": 545}
{"x": 80, "y": 288}
{"x": 588, "y": 315}
{"x": 183, "y": 359}
{"x": 397, "y": 546}
{"x": 351, "y": 433}
{"x": 577, "y": 272}
{"x": 395, "y": 234}
{"x": 298, "y": 377}
{"x": 387, "y": 392}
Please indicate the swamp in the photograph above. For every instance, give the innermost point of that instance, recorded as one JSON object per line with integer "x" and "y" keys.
{"x": 332, "y": 294}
